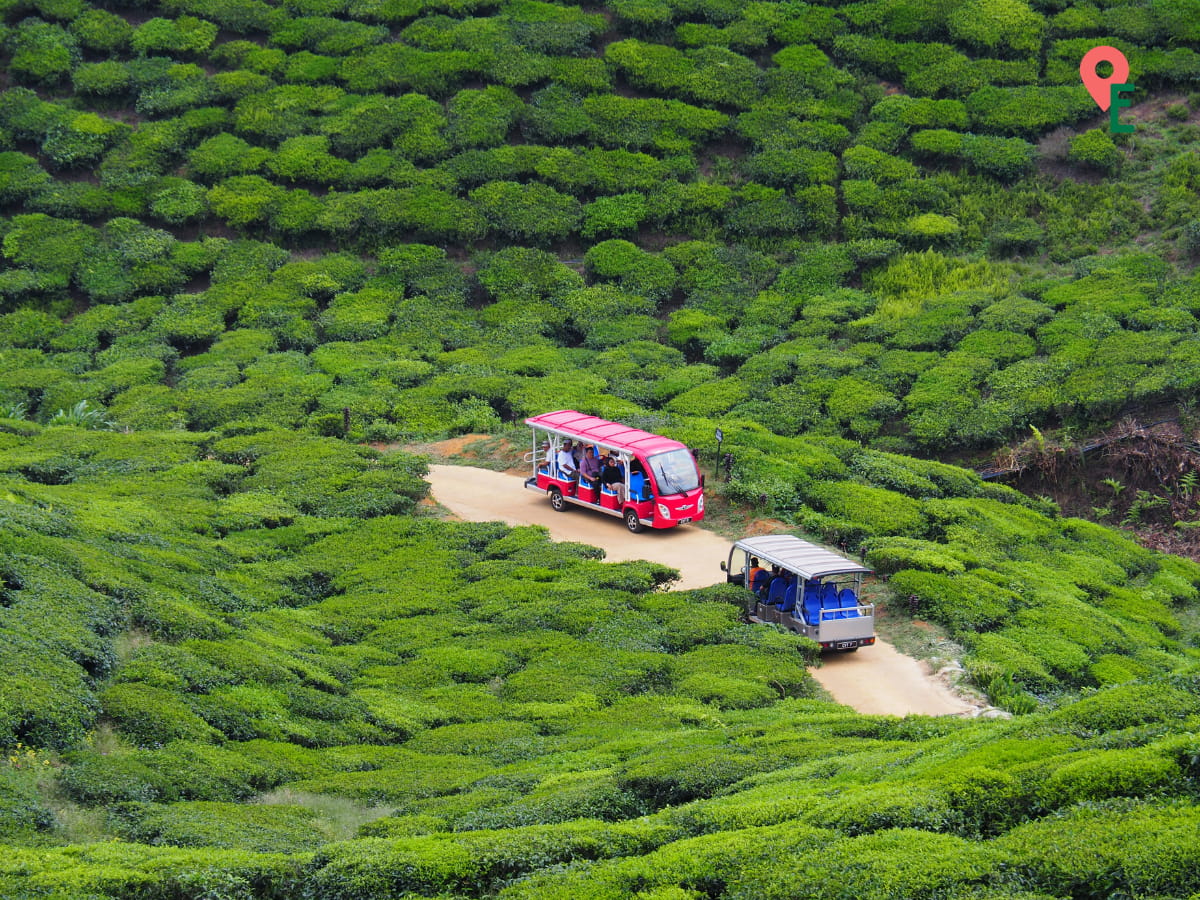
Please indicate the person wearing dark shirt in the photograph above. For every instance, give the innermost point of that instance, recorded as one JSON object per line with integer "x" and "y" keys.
{"x": 612, "y": 476}
{"x": 768, "y": 583}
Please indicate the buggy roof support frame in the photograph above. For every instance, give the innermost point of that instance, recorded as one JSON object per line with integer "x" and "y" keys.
{"x": 805, "y": 559}
{"x": 610, "y": 435}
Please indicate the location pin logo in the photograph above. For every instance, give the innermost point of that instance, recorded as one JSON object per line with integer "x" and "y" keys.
{"x": 1098, "y": 87}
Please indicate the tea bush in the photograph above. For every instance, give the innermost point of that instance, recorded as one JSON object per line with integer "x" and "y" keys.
{"x": 243, "y": 598}
{"x": 258, "y": 827}
{"x": 1100, "y": 851}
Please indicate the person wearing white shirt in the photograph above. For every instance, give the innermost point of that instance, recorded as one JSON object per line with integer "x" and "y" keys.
{"x": 568, "y": 469}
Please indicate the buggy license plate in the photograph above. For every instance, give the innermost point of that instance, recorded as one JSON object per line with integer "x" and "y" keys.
{"x": 846, "y": 645}
{"x": 685, "y": 521}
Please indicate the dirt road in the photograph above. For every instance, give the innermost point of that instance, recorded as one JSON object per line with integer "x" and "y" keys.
{"x": 875, "y": 680}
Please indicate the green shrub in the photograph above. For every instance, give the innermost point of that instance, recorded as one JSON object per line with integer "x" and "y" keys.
{"x": 938, "y": 143}
{"x": 102, "y": 31}
{"x": 262, "y": 828}
{"x": 177, "y": 201}
{"x": 1008, "y": 26}
{"x": 1103, "y": 774}
{"x": 103, "y": 79}
{"x": 225, "y": 155}
{"x": 1094, "y": 844}
{"x": 531, "y": 212}
{"x": 1013, "y": 236}
{"x": 358, "y": 316}
{"x": 326, "y": 35}
{"x": 22, "y": 811}
{"x": 616, "y": 215}
{"x": 307, "y": 158}
{"x": 562, "y": 798}
{"x": 893, "y": 863}
{"x": 868, "y": 510}
{"x": 890, "y": 555}
{"x": 442, "y": 862}
{"x": 709, "y": 74}
{"x": 151, "y": 716}
{"x": 20, "y": 176}
{"x": 930, "y": 229}
{"x": 922, "y": 112}
{"x": 1124, "y": 706}
{"x": 633, "y": 269}
{"x": 185, "y": 35}
{"x": 482, "y": 118}
{"x": 96, "y": 779}
{"x": 29, "y": 328}
{"x": 864, "y": 162}
{"x": 1003, "y": 158}
{"x": 963, "y": 602}
{"x": 686, "y": 771}
{"x": 42, "y": 53}
{"x": 738, "y": 677}
{"x": 711, "y": 399}
{"x": 1027, "y": 110}
{"x": 667, "y": 125}
{"x": 1095, "y": 149}
{"x": 860, "y": 404}
{"x": 244, "y": 200}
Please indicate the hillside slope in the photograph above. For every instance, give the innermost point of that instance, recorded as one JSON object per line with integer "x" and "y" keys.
{"x": 258, "y": 653}
{"x": 237, "y": 661}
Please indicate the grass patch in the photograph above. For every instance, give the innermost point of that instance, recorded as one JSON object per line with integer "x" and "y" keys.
{"x": 340, "y": 818}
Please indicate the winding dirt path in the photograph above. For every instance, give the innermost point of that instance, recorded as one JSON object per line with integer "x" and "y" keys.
{"x": 875, "y": 680}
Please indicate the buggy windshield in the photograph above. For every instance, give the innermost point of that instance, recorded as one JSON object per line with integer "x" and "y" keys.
{"x": 674, "y": 472}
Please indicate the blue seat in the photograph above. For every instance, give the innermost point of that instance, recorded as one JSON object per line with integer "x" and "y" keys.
{"x": 775, "y": 594}
{"x": 848, "y": 601}
{"x": 812, "y": 609}
{"x": 639, "y": 488}
{"x": 789, "y": 599}
{"x": 829, "y": 599}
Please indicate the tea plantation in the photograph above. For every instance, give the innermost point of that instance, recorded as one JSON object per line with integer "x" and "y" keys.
{"x": 242, "y": 241}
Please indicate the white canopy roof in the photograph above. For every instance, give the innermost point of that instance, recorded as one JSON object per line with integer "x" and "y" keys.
{"x": 805, "y": 559}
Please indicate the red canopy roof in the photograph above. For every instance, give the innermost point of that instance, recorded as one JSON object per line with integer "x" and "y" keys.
{"x": 612, "y": 435}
